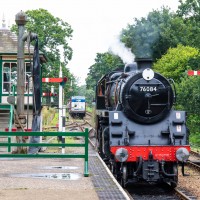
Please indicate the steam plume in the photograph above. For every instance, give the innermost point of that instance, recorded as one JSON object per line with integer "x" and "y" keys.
{"x": 118, "y": 48}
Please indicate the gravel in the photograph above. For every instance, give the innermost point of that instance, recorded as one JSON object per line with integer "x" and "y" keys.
{"x": 190, "y": 183}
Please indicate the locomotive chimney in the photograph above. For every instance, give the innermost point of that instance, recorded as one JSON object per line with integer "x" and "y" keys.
{"x": 143, "y": 63}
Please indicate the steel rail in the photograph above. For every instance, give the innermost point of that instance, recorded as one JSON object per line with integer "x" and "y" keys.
{"x": 183, "y": 195}
{"x": 193, "y": 165}
{"x": 195, "y": 153}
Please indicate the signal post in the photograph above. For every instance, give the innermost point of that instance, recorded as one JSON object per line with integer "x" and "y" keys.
{"x": 193, "y": 73}
{"x": 61, "y": 108}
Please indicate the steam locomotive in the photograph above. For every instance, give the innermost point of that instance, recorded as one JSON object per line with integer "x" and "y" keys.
{"x": 139, "y": 134}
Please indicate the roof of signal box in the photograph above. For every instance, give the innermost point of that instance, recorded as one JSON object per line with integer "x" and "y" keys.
{"x": 9, "y": 43}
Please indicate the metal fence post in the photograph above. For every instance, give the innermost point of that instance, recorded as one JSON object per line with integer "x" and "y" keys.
{"x": 49, "y": 155}
{"x": 86, "y": 174}
{"x": 11, "y": 117}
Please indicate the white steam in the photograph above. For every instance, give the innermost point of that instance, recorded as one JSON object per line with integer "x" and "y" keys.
{"x": 118, "y": 48}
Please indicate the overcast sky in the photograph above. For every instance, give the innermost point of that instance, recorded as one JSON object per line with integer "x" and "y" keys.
{"x": 96, "y": 23}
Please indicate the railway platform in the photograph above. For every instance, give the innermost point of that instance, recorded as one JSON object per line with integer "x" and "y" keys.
{"x": 57, "y": 179}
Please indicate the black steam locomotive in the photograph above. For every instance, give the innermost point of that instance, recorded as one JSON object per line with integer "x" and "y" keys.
{"x": 139, "y": 135}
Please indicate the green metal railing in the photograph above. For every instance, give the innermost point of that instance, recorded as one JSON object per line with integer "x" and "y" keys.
{"x": 10, "y": 108}
{"x": 10, "y": 126}
{"x": 11, "y": 118}
{"x": 41, "y": 155}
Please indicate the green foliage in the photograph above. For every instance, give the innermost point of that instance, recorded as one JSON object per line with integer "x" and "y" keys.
{"x": 189, "y": 99}
{"x": 90, "y": 95}
{"x": 73, "y": 88}
{"x": 174, "y": 64}
{"x": 193, "y": 123}
{"x": 175, "y": 38}
{"x": 189, "y": 10}
{"x": 154, "y": 35}
{"x": 104, "y": 63}
{"x": 48, "y": 115}
{"x": 176, "y": 61}
{"x": 189, "y": 95}
{"x": 52, "y": 32}
{"x": 55, "y": 119}
{"x": 89, "y": 109}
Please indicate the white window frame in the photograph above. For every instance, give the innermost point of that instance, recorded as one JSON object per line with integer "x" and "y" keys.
{"x": 11, "y": 77}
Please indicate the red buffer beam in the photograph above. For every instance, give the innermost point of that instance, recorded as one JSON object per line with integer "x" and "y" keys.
{"x": 52, "y": 80}
{"x": 193, "y": 73}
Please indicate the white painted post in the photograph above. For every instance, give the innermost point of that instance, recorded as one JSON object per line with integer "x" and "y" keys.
{"x": 63, "y": 127}
{"x": 60, "y": 103}
{"x": 52, "y": 91}
{"x": 62, "y": 112}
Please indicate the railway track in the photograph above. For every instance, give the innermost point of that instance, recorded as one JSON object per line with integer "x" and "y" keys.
{"x": 89, "y": 114}
{"x": 154, "y": 191}
{"x": 184, "y": 195}
{"x": 195, "y": 153}
{"x": 193, "y": 165}
{"x": 144, "y": 192}
{"x": 194, "y": 161}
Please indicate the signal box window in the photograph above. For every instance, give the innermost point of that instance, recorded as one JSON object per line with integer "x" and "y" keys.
{"x": 10, "y": 76}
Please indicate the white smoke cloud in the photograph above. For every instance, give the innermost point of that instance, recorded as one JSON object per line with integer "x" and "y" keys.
{"x": 118, "y": 48}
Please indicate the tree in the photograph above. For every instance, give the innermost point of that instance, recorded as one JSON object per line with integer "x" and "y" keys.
{"x": 53, "y": 34}
{"x": 188, "y": 99}
{"x": 174, "y": 64}
{"x": 176, "y": 61}
{"x": 88, "y": 93}
{"x": 104, "y": 63}
{"x": 189, "y": 10}
{"x": 90, "y": 96}
{"x": 154, "y": 35}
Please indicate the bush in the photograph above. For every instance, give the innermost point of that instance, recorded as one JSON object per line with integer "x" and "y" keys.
{"x": 176, "y": 62}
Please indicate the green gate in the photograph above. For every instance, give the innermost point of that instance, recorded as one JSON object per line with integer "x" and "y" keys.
{"x": 42, "y": 155}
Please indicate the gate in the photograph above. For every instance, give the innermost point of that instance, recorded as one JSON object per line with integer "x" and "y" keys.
{"x": 42, "y": 155}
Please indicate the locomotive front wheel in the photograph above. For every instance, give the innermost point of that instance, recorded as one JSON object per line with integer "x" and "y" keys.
{"x": 174, "y": 182}
{"x": 112, "y": 168}
{"x": 124, "y": 176}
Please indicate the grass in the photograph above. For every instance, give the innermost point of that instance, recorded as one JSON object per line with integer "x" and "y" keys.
{"x": 50, "y": 118}
{"x": 195, "y": 148}
{"x": 70, "y": 150}
{"x": 54, "y": 120}
{"x": 89, "y": 109}
{"x": 48, "y": 115}
{"x": 67, "y": 140}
